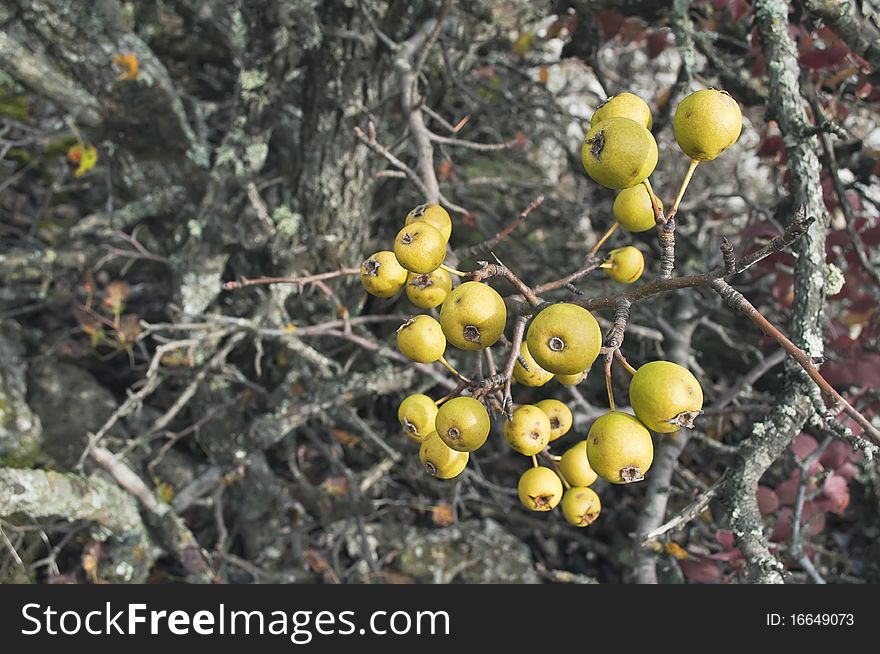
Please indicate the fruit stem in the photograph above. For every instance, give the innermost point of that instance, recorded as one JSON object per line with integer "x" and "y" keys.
{"x": 655, "y": 202}
{"x": 604, "y": 238}
{"x": 534, "y": 461}
{"x": 455, "y": 372}
{"x": 607, "y": 265}
{"x": 453, "y": 271}
{"x": 624, "y": 362}
{"x": 684, "y": 185}
{"x": 608, "y": 385}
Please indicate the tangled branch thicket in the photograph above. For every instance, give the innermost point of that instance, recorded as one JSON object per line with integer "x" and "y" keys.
{"x": 194, "y": 385}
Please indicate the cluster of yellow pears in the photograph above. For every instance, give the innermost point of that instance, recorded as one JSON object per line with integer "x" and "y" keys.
{"x": 563, "y": 340}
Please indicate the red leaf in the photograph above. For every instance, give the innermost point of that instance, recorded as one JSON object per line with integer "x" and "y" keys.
{"x": 787, "y": 490}
{"x": 727, "y": 555}
{"x": 817, "y": 525}
{"x": 847, "y": 471}
{"x": 835, "y": 455}
{"x": 863, "y": 371}
{"x": 724, "y": 538}
{"x": 782, "y": 528}
{"x": 610, "y": 22}
{"x": 803, "y": 445}
{"x": 836, "y": 491}
{"x": 824, "y": 57}
{"x": 736, "y": 8}
{"x": 770, "y": 146}
{"x": 701, "y": 570}
{"x": 768, "y": 501}
{"x": 657, "y": 41}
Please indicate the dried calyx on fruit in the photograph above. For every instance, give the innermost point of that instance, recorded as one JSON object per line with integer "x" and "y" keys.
{"x": 433, "y": 214}
{"x": 564, "y": 339}
{"x": 619, "y": 153}
{"x": 665, "y": 396}
{"x": 581, "y": 506}
{"x": 382, "y": 275}
{"x": 420, "y": 339}
{"x": 473, "y": 316}
{"x": 619, "y": 448}
{"x": 463, "y": 424}
{"x": 428, "y": 290}
{"x": 559, "y": 415}
{"x": 416, "y": 415}
{"x": 539, "y": 489}
{"x": 420, "y": 247}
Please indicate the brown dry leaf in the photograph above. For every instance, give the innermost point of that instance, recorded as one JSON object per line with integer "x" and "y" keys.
{"x": 442, "y": 515}
{"x": 543, "y": 74}
{"x": 446, "y": 170}
{"x": 297, "y": 389}
{"x": 346, "y": 438}
{"x": 176, "y": 359}
{"x": 336, "y": 486}
{"x": 663, "y": 98}
{"x": 90, "y": 556}
{"x": 396, "y": 578}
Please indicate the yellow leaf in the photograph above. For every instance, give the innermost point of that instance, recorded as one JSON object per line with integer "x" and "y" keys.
{"x": 129, "y": 65}
{"x": 675, "y": 550}
{"x": 85, "y": 156}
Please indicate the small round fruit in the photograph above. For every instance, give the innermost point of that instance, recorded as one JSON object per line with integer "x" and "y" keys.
{"x": 572, "y": 380}
{"x": 633, "y": 210}
{"x": 581, "y": 506}
{"x": 420, "y": 247}
{"x": 535, "y": 375}
{"x": 382, "y": 275}
{"x": 528, "y": 430}
{"x": 564, "y": 339}
{"x": 463, "y": 424}
{"x": 428, "y": 290}
{"x": 619, "y": 153}
{"x": 473, "y": 316}
{"x": 539, "y": 489}
{"x": 707, "y": 123}
{"x": 440, "y": 460}
{"x": 434, "y": 215}
{"x": 625, "y": 105}
{"x": 665, "y": 396}
{"x": 627, "y": 264}
{"x": 420, "y": 339}
{"x": 416, "y": 414}
{"x": 560, "y": 417}
{"x": 575, "y": 466}
{"x": 619, "y": 448}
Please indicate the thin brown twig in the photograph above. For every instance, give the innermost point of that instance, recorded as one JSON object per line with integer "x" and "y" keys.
{"x": 487, "y": 270}
{"x": 382, "y": 151}
{"x": 519, "y": 329}
{"x": 241, "y": 282}
{"x": 490, "y": 243}
{"x": 737, "y": 301}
